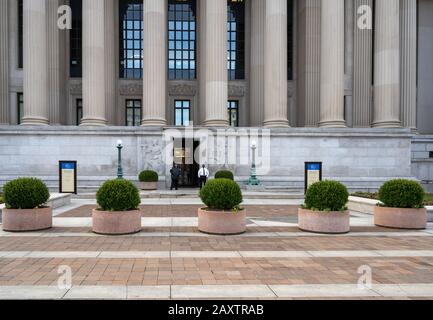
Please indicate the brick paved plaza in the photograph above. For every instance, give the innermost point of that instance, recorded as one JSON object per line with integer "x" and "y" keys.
{"x": 171, "y": 259}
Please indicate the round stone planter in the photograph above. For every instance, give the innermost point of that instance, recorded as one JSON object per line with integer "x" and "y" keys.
{"x": 20, "y": 220}
{"x": 400, "y": 218}
{"x": 116, "y": 222}
{"x": 222, "y": 222}
{"x": 334, "y": 222}
{"x": 149, "y": 185}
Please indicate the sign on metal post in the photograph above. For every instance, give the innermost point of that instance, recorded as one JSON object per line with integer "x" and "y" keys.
{"x": 313, "y": 173}
{"x": 68, "y": 177}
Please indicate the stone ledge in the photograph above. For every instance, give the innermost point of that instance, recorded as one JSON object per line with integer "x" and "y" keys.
{"x": 365, "y": 205}
{"x": 56, "y": 200}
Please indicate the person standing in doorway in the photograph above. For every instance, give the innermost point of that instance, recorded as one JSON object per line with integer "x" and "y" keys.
{"x": 203, "y": 175}
{"x": 175, "y": 175}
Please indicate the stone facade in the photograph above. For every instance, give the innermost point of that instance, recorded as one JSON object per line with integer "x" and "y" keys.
{"x": 333, "y": 85}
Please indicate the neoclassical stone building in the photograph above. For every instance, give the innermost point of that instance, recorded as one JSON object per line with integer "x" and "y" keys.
{"x": 327, "y": 86}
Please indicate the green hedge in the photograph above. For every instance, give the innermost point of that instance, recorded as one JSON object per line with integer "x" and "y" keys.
{"x": 402, "y": 193}
{"x": 148, "y": 176}
{"x": 25, "y": 193}
{"x": 327, "y": 196}
{"x": 221, "y": 194}
{"x": 224, "y": 174}
{"x": 118, "y": 195}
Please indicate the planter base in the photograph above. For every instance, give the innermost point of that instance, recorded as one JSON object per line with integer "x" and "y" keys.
{"x": 324, "y": 222}
{"x": 400, "y": 218}
{"x": 24, "y": 220}
{"x": 149, "y": 186}
{"x": 116, "y": 223}
{"x": 222, "y": 222}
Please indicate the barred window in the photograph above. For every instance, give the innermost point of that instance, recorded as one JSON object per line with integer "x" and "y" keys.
{"x": 79, "y": 111}
{"x": 236, "y": 39}
{"x": 131, "y": 42}
{"x": 182, "y": 112}
{"x": 75, "y": 39}
{"x": 233, "y": 112}
{"x": 20, "y": 107}
{"x": 133, "y": 113}
{"x": 182, "y": 39}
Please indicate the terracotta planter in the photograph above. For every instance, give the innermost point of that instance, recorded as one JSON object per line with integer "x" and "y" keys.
{"x": 222, "y": 222}
{"x": 149, "y": 185}
{"x": 334, "y": 222}
{"x": 116, "y": 223}
{"x": 399, "y": 218}
{"x": 20, "y": 220}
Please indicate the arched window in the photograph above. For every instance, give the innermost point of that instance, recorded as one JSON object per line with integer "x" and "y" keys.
{"x": 131, "y": 39}
{"x": 182, "y": 32}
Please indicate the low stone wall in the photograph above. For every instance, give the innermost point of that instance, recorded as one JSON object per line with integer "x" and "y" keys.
{"x": 364, "y": 205}
{"x": 422, "y": 160}
{"x": 360, "y": 158}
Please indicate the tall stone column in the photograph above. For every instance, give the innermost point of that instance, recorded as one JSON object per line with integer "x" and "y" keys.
{"x": 408, "y": 63}
{"x": 308, "y": 53}
{"x": 4, "y": 63}
{"x": 110, "y": 62}
{"x": 387, "y": 64}
{"x": 275, "y": 95}
{"x": 154, "y": 63}
{"x": 216, "y": 75}
{"x": 35, "y": 63}
{"x": 56, "y": 64}
{"x": 332, "y": 64}
{"x": 362, "y": 71}
{"x": 94, "y": 95}
{"x": 258, "y": 16}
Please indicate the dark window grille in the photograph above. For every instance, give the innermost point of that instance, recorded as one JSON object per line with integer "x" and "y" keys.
{"x": 79, "y": 114}
{"x": 233, "y": 112}
{"x": 131, "y": 39}
{"x": 290, "y": 39}
{"x": 20, "y": 107}
{"x": 182, "y": 33}
{"x": 133, "y": 113}
{"x": 182, "y": 112}
{"x": 20, "y": 34}
{"x": 236, "y": 39}
{"x": 431, "y": 155}
{"x": 75, "y": 39}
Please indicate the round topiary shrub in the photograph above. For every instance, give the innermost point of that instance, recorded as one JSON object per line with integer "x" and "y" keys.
{"x": 25, "y": 193}
{"x": 221, "y": 194}
{"x": 118, "y": 195}
{"x": 402, "y": 193}
{"x": 224, "y": 174}
{"x": 148, "y": 176}
{"x": 327, "y": 196}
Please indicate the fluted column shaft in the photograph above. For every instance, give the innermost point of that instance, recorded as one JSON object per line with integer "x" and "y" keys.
{"x": 387, "y": 64}
{"x": 275, "y": 114}
{"x": 110, "y": 62}
{"x": 35, "y": 63}
{"x": 154, "y": 62}
{"x": 56, "y": 64}
{"x": 4, "y": 63}
{"x": 216, "y": 75}
{"x": 332, "y": 64}
{"x": 408, "y": 63}
{"x": 362, "y": 75}
{"x": 257, "y": 62}
{"x": 94, "y": 96}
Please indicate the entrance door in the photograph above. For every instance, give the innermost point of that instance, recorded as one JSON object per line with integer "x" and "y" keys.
{"x": 183, "y": 155}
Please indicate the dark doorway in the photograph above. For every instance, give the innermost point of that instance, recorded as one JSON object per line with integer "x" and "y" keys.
{"x": 183, "y": 155}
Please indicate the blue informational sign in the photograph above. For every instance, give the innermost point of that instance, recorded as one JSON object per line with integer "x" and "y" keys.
{"x": 68, "y": 177}
{"x": 313, "y": 173}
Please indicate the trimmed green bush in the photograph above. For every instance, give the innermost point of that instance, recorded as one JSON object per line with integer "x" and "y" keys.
{"x": 25, "y": 193}
{"x": 327, "y": 196}
{"x": 148, "y": 176}
{"x": 118, "y": 195}
{"x": 401, "y": 193}
{"x": 224, "y": 174}
{"x": 221, "y": 194}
